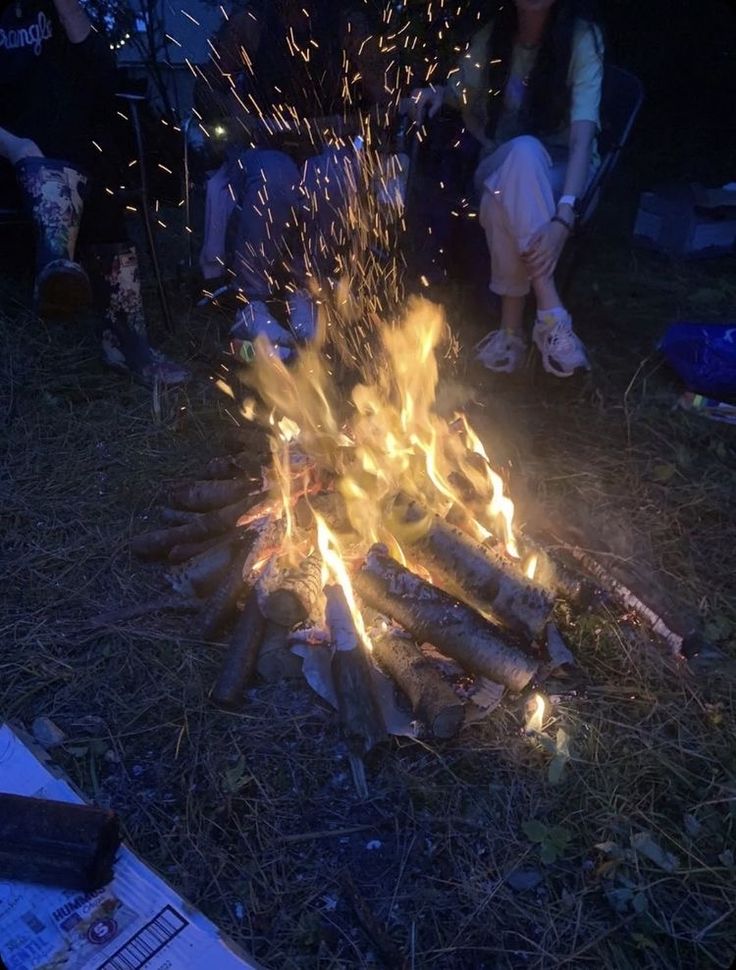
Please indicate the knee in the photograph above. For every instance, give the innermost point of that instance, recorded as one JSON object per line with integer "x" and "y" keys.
{"x": 526, "y": 149}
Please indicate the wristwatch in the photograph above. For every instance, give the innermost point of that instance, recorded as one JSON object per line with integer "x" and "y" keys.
{"x": 571, "y": 200}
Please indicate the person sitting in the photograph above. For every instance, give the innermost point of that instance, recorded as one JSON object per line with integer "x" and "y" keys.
{"x": 529, "y": 89}
{"x": 57, "y": 84}
{"x": 275, "y": 207}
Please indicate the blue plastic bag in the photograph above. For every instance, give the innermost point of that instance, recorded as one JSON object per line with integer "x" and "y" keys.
{"x": 704, "y": 356}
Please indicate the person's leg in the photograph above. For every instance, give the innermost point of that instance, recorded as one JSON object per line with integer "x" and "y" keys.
{"x": 53, "y": 192}
{"x": 518, "y": 199}
{"x": 112, "y": 263}
{"x": 265, "y": 185}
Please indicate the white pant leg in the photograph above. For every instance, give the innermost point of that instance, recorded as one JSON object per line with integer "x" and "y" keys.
{"x": 218, "y": 208}
{"x": 518, "y": 198}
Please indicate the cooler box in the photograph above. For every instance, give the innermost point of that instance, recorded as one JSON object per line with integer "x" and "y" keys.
{"x": 689, "y": 220}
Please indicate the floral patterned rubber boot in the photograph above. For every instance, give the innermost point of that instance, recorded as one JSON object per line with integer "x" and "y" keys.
{"x": 53, "y": 194}
{"x": 114, "y": 272}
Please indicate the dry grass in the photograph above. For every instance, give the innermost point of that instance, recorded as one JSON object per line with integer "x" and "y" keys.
{"x": 255, "y": 818}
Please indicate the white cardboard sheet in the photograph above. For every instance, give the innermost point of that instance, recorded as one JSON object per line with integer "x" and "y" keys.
{"x": 135, "y": 922}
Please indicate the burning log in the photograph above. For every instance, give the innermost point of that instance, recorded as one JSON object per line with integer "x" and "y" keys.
{"x": 240, "y": 663}
{"x": 188, "y": 550}
{"x": 292, "y": 596}
{"x": 223, "y": 604}
{"x": 433, "y": 700}
{"x": 474, "y": 572}
{"x": 431, "y": 615}
{"x": 275, "y": 659}
{"x": 210, "y": 495}
{"x": 57, "y": 843}
{"x": 201, "y": 574}
{"x": 359, "y": 712}
{"x": 330, "y": 505}
{"x": 157, "y": 544}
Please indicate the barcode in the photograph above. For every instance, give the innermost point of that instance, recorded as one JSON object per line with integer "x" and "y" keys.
{"x": 147, "y": 942}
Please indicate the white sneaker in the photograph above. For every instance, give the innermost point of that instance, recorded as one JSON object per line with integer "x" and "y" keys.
{"x": 562, "y": 351}
{"x": 501, "y": 351}
{"x": 302, "y": 312}
{"x": 254, "y": 319}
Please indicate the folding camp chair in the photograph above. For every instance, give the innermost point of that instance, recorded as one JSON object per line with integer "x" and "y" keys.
{"x": 621, "y": 100}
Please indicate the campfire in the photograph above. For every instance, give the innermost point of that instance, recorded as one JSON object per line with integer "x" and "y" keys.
{"x": 380, "y": 539}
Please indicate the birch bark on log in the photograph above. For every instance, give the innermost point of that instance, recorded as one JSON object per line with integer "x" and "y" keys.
{"x": 473, "y": 572}
{"x": 431, "y": 615}
{"x": 433, "y": 700}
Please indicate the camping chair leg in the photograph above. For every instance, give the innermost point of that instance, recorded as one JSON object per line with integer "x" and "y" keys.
{"x": 163, "y": 300}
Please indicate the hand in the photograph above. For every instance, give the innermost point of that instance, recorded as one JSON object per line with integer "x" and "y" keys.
{"x": 21, "y": 148}
{"x": 544, "y": 250}
{"x": 424, "y": 102}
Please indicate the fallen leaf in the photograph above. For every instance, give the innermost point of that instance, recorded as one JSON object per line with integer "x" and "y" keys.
{"x": 644, "y": 844}
{"x": 522, "y": 880}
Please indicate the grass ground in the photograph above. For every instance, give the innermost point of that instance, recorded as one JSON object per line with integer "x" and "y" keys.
{"x": 465, "y": 855}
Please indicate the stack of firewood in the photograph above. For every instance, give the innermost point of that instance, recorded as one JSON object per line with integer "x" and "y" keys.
{"x": 223, "y": 538}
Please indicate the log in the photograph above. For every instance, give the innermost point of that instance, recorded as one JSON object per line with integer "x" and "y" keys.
{"x": 60, "y": 844}
{"x": 358, "y": 708}
{"x": 239, "y": 667}
{"x": 294, "y": 595}
{"x": 433, "y": 616}
{"x": 330, "y": 505}
{"x": 432, "y": 699}
{"x": 222, "y": 605}
{"x": 200, "y": 575}
{"x": 177, "y": 516}
{"x": 157, "y": 544}
{"x": 275, "y": 659}
{"x": 472, "y": 571}
{"x": 230, "y": 466}
{"x": 188, "y": 550}
{"x": 209, "y": 495}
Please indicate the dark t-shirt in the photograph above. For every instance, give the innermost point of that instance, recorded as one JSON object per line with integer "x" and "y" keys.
{"x": 51, "y": 90}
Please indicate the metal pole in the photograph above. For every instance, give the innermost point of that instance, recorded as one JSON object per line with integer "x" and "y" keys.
{"x": 133, "y": 101}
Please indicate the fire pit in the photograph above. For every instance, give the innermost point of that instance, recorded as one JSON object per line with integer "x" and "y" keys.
{"x": 380, "y": 539}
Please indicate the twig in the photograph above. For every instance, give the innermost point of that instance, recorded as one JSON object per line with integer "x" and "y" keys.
{"x": 176, "y": 603}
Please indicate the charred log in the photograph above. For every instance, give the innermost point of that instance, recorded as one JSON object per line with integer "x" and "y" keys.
{"x": 239, "y": 668}
{"x": 434, "y": 616}
{"x": 157, "y": 544}
{"x": 360, "y": 714}
{"x": 201, "y": 574}
{"x": 275, "y": 659}
{"x": 242, "y": 574}
{"x": 433, "y": 700}
{"x": 209, "y": 495}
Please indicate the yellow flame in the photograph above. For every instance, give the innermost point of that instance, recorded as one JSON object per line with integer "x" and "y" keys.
{"x": 535, "y": 720}
{"x": 500, "y": 505}
{"x": 394, "y": 441}
{"x": 530, "y": 570}
{"x": 334, "y": 568}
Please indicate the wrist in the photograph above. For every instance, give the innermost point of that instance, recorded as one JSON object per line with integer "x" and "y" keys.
{"x": 565, "y": 224}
